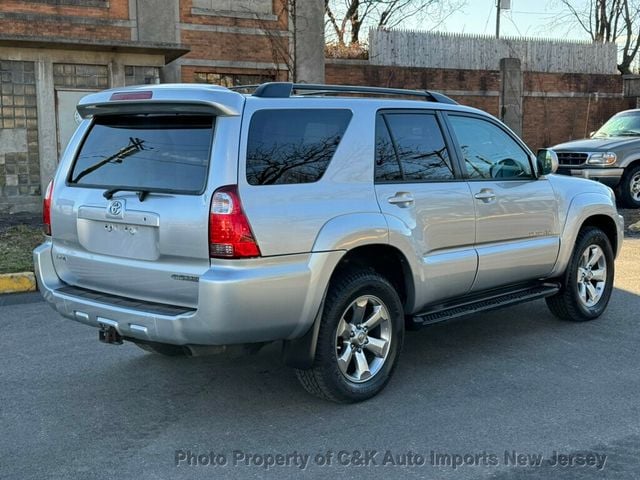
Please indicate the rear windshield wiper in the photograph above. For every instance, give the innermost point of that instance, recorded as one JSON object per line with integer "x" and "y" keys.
{"x": 141, "y": 192}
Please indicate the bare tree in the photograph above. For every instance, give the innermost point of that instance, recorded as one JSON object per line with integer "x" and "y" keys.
{"x": 616, "y": 21}
{"x": 282, "y": 47}
{"x": 346, "y": 19}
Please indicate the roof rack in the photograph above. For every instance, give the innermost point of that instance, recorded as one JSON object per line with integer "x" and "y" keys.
{"x": 286, "y": 89}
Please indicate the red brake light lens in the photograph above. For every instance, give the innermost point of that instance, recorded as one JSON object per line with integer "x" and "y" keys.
{"x": 230, "y": 234}
{"x": 145, "y": 95}
{"x": 46, "y": 209}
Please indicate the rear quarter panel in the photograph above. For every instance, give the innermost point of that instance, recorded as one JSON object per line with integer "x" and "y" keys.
{"x": 287, "y": 219}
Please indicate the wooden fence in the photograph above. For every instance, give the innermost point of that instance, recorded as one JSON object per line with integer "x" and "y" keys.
{"x": 481, "y": 52}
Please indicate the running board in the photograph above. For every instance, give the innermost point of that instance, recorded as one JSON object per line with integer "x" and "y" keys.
{"x": 484, "y": 302}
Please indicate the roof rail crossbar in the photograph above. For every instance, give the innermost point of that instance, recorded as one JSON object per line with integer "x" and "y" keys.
{"x": 286, "y": 89}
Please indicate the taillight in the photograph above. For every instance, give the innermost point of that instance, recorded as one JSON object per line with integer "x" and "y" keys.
{"x": 46, "y": 209}
{"x": 230, "y": 234}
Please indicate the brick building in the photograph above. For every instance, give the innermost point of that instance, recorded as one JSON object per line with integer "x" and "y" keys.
{"x": 52, "y": 52}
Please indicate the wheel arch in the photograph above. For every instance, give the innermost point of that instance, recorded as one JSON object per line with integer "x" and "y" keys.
{"x": 387, "y": 261}
{"x": 382, "y": 258}
{"x": 630, "y": 163}
{"x": 588, "y": 209}
{"x": 607, "y": 225}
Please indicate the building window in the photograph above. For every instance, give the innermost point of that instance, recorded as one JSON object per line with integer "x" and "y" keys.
{"x": 66, "y": 75}
{"x": 254, "y": 9}
{"x": 141, "y": 75}
{"x": 231, "y": 79}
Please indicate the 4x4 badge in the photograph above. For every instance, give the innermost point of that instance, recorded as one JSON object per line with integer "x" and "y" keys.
{"x": 115, "y": 208}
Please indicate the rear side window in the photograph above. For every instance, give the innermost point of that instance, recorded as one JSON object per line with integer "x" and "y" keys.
{"x": 153, "y": 152}
{"x": 293, "y": 146}
{"x": 410, "y": 148}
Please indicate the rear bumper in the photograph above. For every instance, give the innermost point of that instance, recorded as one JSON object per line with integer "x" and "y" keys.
{"x": 609, "y": 176}
{"x": 248, "y": 302}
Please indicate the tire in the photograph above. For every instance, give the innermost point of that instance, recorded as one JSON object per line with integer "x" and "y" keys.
{"x": 576, "y": 301}
{"x": 630, "y": 187}
{"x": 355, "y": 298}
{"x": 162, "y": 349}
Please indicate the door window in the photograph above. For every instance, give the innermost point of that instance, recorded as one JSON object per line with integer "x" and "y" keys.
{"x": 488, "y": 151}
{"x": 410, "y": 148}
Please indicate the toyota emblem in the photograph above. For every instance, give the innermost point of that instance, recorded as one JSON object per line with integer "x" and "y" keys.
{"x": 116, "y": 208}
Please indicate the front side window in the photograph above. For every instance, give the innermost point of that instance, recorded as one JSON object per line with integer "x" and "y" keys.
{"x": 410, "y": 148}
{"x": 149, "y": 152}
{"x": 488, "y": 151}
{"x": 293, "y": 146}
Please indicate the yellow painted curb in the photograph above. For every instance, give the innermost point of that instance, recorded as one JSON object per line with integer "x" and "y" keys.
{"x": 17, "y": 282}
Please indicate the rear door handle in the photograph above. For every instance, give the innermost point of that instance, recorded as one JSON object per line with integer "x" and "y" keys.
{"x": 401, "y": 199}
{"x": 486, "y": 195}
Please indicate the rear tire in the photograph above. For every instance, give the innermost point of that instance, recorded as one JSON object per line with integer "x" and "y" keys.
{"x": 588, "y": 280}
{"x": 630, "y": 187}
{"x": 359, "y": 341}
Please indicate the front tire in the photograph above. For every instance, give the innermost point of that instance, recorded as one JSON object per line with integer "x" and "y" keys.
{"x": 630, "y": 187}
{"x": 359, "y": 341}
{"x": 588, "y": 280}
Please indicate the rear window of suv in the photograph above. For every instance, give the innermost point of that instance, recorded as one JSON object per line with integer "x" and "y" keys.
{"x": 150, "y": 152}
{"x": 293, "y": 146}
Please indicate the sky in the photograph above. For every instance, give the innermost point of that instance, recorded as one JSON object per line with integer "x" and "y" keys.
{"x": 529, "y": 18}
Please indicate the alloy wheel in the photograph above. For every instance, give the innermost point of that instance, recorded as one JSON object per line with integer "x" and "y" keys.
{"x": 592, "y": 275}
{"x": 363, "y": 338}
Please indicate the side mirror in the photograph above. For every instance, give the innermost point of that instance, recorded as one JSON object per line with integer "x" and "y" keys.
{"x": 547, "y": 161}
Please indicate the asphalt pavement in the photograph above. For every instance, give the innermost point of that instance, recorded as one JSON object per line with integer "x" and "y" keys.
{"x": 511, "y": 394}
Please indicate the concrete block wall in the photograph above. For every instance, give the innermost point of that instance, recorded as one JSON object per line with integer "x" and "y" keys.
{"x": 19, "y": 153}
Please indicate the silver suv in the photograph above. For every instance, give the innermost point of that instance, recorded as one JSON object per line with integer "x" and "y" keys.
{"x": 187, "y": 218}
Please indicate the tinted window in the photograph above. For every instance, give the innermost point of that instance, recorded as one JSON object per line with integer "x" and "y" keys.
{"x": 488, "y": 151}
{"x": 293, "y": 146}
{"x": 388, "y": 166}
{"x": 146, "y": 151}
{"x": 412, "y": 150}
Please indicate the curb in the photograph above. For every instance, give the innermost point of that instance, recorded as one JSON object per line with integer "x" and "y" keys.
{"x": 17, "y": 282}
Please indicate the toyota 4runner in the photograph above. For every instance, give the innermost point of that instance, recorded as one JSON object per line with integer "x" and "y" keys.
{"x": 190, "y": 217}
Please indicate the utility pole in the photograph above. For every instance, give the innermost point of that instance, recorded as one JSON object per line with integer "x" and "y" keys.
{"x": 499, "y": 7}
